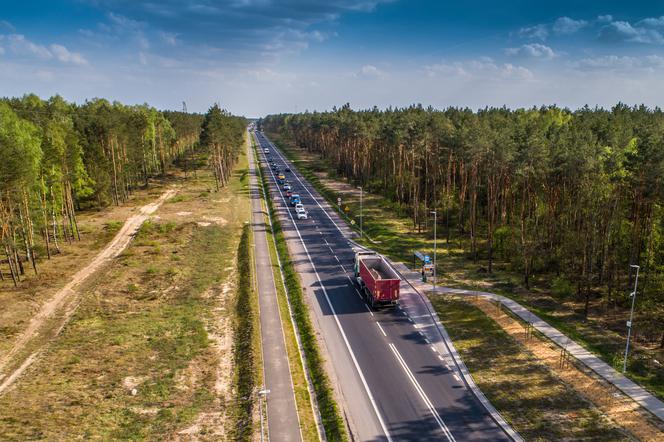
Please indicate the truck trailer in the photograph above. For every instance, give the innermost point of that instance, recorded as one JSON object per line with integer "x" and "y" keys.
{"x": 377, "y": 280}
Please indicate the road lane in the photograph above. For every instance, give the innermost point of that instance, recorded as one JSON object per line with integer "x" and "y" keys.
{"x": 416, "y": 396}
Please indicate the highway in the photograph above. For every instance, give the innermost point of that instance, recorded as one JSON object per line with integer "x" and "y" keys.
{"x": 394, "y": 385}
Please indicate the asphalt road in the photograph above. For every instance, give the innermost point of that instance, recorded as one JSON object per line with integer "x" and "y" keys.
{"x": 393, "y": 383}
{"x": 282, "y": 419}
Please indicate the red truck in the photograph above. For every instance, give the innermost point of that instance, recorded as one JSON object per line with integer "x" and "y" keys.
{"x": 377, "y": 280}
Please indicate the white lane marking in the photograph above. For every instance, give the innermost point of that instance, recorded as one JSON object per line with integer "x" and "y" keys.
{"x": 368, "y": 309}
{"x": 341, "y": 329}
{"x": 456, "y": 376}
{"x": 422, "y": 394}
{"x": 427, "y": 341}
{"x": 381, "y": 329}
{"x": 307, "y": 189}
{"x": 421, "y": 334}
{"x": 441, "y": 358}
{"x": 337, "y": 258}
{"x": 433, "y": 348}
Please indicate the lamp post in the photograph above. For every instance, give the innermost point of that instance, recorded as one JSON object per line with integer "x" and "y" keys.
{"x": 631, "y": 316}
{"x": 435, "y": 249}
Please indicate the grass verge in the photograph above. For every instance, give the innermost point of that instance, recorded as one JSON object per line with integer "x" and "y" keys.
{"x": 243, "y": 350}
{"x": 527, "y": 394}
{"x": 332, "y": 421}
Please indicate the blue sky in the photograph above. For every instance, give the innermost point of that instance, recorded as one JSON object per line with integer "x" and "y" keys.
{"x": 256, "y": 57}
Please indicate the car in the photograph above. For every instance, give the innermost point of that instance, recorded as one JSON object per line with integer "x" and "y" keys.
{"x": 287, "y": 169}
{"x": 289, "y": 193}
{"x": 295, "y": 199}
{"x": 266, "y": 150}
{"x": 301, "y": 213}
{"x": 299, "y": 206}
{"x": 281, "y": 176}
{"x": 287, "y": 186}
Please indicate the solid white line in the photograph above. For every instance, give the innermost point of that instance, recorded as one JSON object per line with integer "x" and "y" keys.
{"x": 423, "y": 395}
{"x": 336, "y": 319}
{"x": 306, "y": 188}
{"x": 381, "y": 329}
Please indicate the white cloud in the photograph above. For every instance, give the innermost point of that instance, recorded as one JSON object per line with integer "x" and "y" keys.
{"x": 652, "y": 21}
{"x": 622, "y": 31}
{"x": 534, "y": 50}
{"x": 4, "y": 24}
{"x": 169, "y": 38}
{"x": 651, "y": 63}
{"x": 605, "y": 18}
{"x": 537, "y": 32}
{"x": 370, "y": 71}
{"x": 20, "y": 45}
{"x": 566, "y": 25}
{"x": 482, "y": 68}
{"x": 64, "y": 55}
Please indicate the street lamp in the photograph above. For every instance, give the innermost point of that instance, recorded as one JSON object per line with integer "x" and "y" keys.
{"x": 435, "y": 248}
{"x": 631, "y": 316}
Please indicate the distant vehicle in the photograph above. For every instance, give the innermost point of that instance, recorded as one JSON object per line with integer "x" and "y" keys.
{"x": 287, "y": 169}
{"x": 289, "y": 193}
{"x": 287, "y": 186}
{"x": 299, "y": 206}
{"x": 266, "y": 150}
{"x": 301, "y": 213}
{"x": 377, "y": 280}
{"x": 295, "y": 199}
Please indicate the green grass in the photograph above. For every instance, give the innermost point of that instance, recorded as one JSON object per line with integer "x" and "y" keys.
{"x": 243, "y": 351}
{"x": 526, "y": 393}
{"x": 122, "y": 332}
{"x": 392, "y": 233}
{"x": 335, "y": 430}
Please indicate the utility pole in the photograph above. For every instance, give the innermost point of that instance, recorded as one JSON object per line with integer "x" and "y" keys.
{"x": 435, "y": 249}
{"x": 184, "y": 107}
{"x": 631, "y": 316}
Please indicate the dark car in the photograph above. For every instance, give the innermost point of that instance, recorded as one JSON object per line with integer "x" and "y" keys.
{"x": 287, "y": 169}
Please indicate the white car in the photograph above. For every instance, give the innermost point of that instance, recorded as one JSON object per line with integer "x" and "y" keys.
{"x": 266, "y": 150}
{"x": 287, "y": 187}
{"x": 301, "y": 213}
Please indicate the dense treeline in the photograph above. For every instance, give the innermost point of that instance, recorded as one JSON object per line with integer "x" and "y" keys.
{"x": 578, "y": 194}
{"x": 222, "y": 135}
{"x": 56, "y": 157}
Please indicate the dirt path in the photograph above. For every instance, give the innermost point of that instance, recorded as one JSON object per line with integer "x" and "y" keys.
{"x": 64, "y": 296}
{"x": 620, "y": 408}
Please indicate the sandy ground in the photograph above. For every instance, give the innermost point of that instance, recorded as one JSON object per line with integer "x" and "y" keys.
{"x": 63, "y": 297}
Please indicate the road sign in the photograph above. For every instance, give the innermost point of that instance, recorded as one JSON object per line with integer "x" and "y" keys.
{"x": 338, "y": 201}
{"x": 422, "y": 257}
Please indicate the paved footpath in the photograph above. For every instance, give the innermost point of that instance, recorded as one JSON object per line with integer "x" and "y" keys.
{"x": 639, "y": 394}
{"x": 282, "y": 418}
